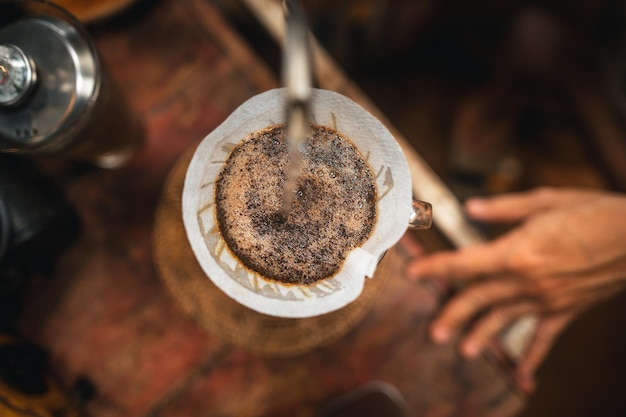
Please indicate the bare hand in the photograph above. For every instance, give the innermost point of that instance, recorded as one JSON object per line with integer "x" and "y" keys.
{"x": 568, "y": 253}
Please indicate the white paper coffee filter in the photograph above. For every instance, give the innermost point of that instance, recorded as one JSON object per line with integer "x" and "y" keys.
{"x": 393, "y": 183}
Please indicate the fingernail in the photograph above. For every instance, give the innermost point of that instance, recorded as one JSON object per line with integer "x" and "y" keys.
{"x": 474, "y": 205}
{"x": 528, "y": 385}
{"x": 526, "y": 382}
{"x": 470, "y": 350}
{"x": 440, "y": 334}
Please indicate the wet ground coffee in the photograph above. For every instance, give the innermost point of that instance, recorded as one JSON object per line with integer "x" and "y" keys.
{"x": 333, "y": 211}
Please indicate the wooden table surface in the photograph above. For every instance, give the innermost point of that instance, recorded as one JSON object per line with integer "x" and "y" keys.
{"x": 106, "y": 315}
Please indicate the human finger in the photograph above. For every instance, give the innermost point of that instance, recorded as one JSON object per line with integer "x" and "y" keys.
{"x": 513, "y": 207}
{"x": 462, "y": 265}
{"x": 504, "y": 208}
{"x": 486, "y": 329}
{"x": 546, "y": 334}
{"x": 470, "y": 302}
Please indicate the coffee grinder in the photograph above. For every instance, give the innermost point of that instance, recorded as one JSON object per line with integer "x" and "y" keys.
{"x": 56, "y": 97}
